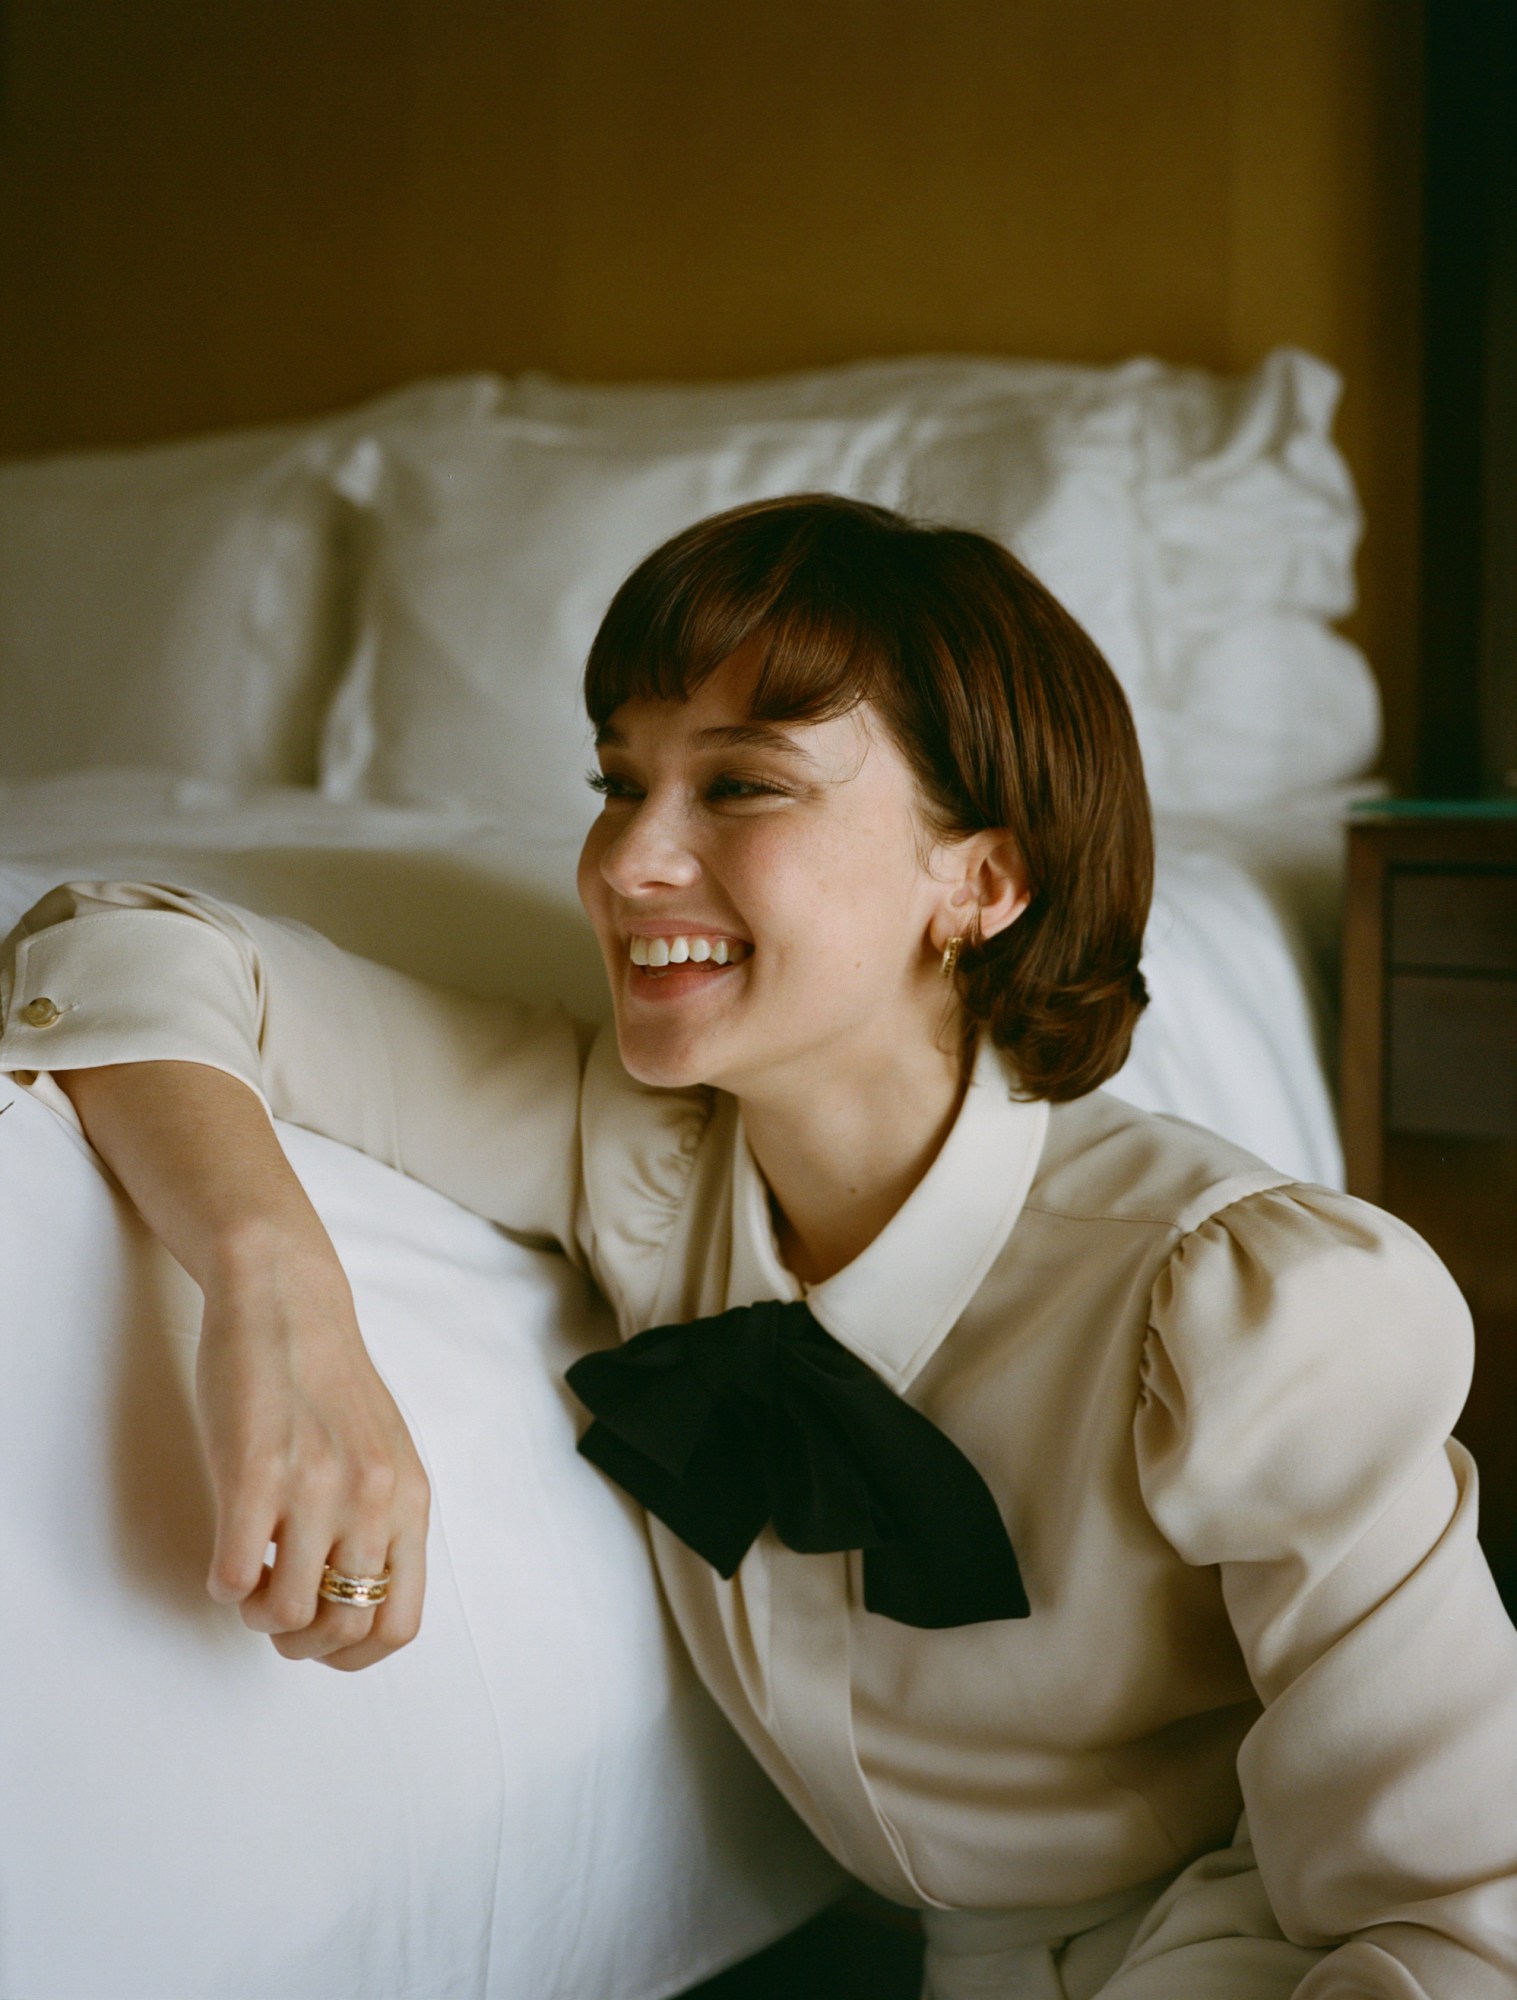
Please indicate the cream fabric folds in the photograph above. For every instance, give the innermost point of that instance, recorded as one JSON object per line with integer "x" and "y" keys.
{"x": 1213, "y": 1404}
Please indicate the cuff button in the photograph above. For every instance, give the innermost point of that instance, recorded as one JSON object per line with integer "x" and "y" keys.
{"x": 41, "y": 1012}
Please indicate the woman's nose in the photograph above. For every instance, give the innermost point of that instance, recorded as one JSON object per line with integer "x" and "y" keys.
{"x": 649, "y": 850}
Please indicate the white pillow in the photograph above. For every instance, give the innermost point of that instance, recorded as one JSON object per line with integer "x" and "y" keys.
{"x": 1250, "y": 524}
{"x": 181, "y": 606}
{"x": 494, "y": 552}
{"x": 1208, "y": 590}
{"x": 1051, "y": 474}
{"x": 1202, "y": 529}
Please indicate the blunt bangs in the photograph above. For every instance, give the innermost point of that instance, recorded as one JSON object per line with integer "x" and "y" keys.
{"x": 785, "y": 572}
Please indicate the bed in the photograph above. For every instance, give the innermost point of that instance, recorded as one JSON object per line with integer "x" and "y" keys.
{"x": 328, "y": 671}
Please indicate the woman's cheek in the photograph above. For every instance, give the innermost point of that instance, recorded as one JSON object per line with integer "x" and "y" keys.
{"x": 587, "y": 874}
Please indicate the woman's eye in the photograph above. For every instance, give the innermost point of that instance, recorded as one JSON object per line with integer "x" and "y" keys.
{"x": 726, "y": 789}
{"x": 609, "y": 785}
{"x": 744, "y": 788}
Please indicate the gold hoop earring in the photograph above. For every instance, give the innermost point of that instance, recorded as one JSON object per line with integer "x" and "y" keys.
{"x": 951, "y": 956}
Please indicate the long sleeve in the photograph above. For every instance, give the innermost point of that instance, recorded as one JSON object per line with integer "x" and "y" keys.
{"x": 1306, "y": 1360}
{"x": 477, "y": 1098}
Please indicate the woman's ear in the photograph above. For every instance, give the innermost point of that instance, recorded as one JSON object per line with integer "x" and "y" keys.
{"x": 991, "y": 887}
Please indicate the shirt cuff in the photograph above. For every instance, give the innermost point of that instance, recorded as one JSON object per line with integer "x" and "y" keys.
{"x": 129, "y": 986}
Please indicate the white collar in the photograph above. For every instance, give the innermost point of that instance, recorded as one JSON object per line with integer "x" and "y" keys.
{"x": 895, "y": 1303}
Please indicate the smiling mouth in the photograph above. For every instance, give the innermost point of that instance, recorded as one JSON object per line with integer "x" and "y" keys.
{"x": 656, "y": 957}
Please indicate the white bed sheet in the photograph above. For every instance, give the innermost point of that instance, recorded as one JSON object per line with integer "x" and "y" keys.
{"x": 535, "y": 1801}
{"x": 1241, "y": 959}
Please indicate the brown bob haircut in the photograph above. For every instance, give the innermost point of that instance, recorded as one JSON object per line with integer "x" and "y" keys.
{"x": 1000, "y": 702}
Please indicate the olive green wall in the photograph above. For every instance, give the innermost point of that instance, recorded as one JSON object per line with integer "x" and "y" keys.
{"x": 215, "y": 212}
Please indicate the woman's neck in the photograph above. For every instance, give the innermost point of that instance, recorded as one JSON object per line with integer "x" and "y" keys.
{"x": 842, "y": 1159}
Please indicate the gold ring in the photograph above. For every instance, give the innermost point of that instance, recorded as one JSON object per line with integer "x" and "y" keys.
{"x": 340, "y": 1589}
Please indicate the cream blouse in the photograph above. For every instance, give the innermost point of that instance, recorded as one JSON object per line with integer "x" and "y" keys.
{"x": 1213, "y": 1404}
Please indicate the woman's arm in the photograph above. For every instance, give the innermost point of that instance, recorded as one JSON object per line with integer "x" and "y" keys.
{"x": 304, "y": 1443}
{"x": 1306, "y": 1362}
{"x": 477, "y": 1098}
{"x": 175, "y": 1026}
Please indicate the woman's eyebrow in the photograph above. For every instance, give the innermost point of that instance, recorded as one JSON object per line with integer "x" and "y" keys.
{"x": 750, "y": 736}
{"x": 722, "y": 736}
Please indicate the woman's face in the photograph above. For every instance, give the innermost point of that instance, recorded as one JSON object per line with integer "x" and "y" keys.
{"x": 796, "y": 853}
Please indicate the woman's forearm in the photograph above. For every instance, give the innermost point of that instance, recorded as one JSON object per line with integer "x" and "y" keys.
{"x": 305, "y": 1447}
{"x": 195, "y": 1152}
{"x": 478, "y": 1098}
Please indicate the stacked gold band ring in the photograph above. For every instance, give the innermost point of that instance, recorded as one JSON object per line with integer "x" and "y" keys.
{"x": 340, "y": 1589}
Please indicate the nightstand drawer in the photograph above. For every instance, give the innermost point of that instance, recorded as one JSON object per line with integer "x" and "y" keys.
{"x": 1429, "y": 1082}
{"x": 1465, "y": 919}
{"x": 1453, "y": 1056}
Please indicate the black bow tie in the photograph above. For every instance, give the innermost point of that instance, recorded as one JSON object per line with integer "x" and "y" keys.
{"x": 719, "y": 1425}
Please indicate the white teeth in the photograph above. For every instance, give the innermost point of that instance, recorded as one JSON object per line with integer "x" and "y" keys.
{"x": 658, "y": 952}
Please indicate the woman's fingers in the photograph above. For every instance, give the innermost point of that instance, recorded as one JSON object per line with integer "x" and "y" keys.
{"x": 306, "y": 1447}
{"x": 331, "y": 1626}
{"x": 286, "y": 1601}
{"x": 398, "y": 1620}
{"x": 244, "y": 1528}
{"x": 304, "y": 1625}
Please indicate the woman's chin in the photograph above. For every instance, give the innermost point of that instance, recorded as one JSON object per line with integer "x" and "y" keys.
{"x": 659, "y": 1061}
{"x": 670, "y": 1024}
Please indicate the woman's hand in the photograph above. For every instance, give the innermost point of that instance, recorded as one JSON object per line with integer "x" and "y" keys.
{"x": 307, "y": 1450}
{"x": 306, "y": 1447}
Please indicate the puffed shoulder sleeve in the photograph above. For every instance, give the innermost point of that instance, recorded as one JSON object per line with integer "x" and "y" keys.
{"x": 1306, "y": 1359}
{"x": 478, "y": 1098}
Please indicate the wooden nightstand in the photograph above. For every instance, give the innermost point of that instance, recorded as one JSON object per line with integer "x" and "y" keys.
{"x": 1429, "y": 1084}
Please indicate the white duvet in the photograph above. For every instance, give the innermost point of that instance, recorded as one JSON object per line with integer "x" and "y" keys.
{"x": 534, "y": 1801}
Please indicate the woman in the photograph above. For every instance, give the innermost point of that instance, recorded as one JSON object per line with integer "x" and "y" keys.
{"x": 1076, "y": 1481}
